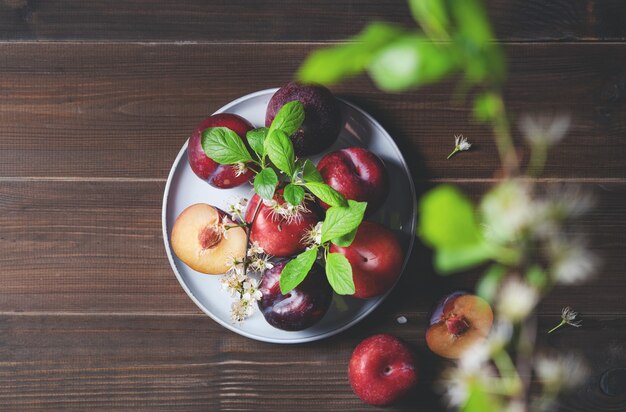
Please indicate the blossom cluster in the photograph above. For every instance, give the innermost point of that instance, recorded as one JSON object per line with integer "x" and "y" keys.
{"x": 241, "y": 279}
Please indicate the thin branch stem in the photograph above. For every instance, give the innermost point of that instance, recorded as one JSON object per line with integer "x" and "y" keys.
{"x": 251, "y": 224}
{"x": 557, "y": 326}
{"x": 504, "y": 139}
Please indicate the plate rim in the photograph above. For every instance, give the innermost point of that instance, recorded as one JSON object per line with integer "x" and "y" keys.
{"x": 233, "y": 328}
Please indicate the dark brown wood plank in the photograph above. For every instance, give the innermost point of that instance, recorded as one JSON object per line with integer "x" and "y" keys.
{"x": 124, "y": 110}
{"x": 276, "y": 20}
{"x": 81, "y": 246}
{"x": 144, "y": 362}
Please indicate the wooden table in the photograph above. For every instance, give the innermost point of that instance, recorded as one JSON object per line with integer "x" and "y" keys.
{"x": 96, "y": 99}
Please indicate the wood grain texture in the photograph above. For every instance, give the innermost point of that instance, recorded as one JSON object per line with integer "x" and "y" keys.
{"x": 188, "y": 362}
{"x": 279, "y": 20}
{"x": 124, "y": 110}
{"x": 77, "y": 246}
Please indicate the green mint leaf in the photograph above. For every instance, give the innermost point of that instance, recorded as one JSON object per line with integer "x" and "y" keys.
{"x": 293, "y": 194}
{"x": 296, "y": 270}
{"x": 340, "y": 221}
{"x": 326, "y": 193}
{"x": 310, "y": 174}
{"x": 265, "y": 183}
{"x": 432, "y": 16}
{"x": 224, "y": 146}
{"x": 345, "y": 240}
{"x": 339, "y": 274}
{"x": 289, "y": 118}
{"x": 256, "y": 140}
{"x": 280, "y": 150}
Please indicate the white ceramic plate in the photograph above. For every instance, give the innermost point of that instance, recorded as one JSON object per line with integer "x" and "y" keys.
{"x": 183, "y": 189}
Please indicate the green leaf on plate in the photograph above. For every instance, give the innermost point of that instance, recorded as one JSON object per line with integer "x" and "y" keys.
{"x": 289, "y": 118}
{"x": 293, "y": 194}
{"x": 345, "y": 240}
{"x": 296, "y": 270}
{"x": 310, "y": 174}
{"x": 280, "y": 151}
{"x": 224, "y": 146}
{"x": 339, "y": 274}
{"x": 265, "y": 183}
{"x": 326, "y": 193}
{"x": 340, "y": 220}
{"x": 256, "y": 140}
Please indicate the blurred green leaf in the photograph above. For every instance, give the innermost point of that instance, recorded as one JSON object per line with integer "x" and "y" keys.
{"x": 333, "y": 64}
{"x": 411, "y": 61}
{"x": 449, "y": 261}
{"x": 474, "y": 37}
{"x": 489, "y": 283}
{"x": 447, "y": 219}
{"x": 487, "y": 106}
{"x": 480, "y": 400}
{"x": 537, "y": 277}
{"x": 432, "y": 16}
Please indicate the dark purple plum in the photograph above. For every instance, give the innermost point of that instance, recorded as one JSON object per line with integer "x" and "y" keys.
{"x": 302, "y": 307}
{"x": 322, "y": 116}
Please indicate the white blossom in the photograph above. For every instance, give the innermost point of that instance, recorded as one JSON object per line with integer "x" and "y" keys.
{"x": 508, "y": 210}
{"x": 516, "y": 300}
{"x": 544, "y": 130}
{"x": 240, "y": 168}
{"x": 237, "y": 208}
{"x": 313, "y": 237}
{"x": 461, "y": 143}
{"x": 560, "y": 371}
{"x": 240, "y": 310}
{"x": 569, "y": 316}
{"x": 255, "y": 249}
{"x": 572, "y": 262}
